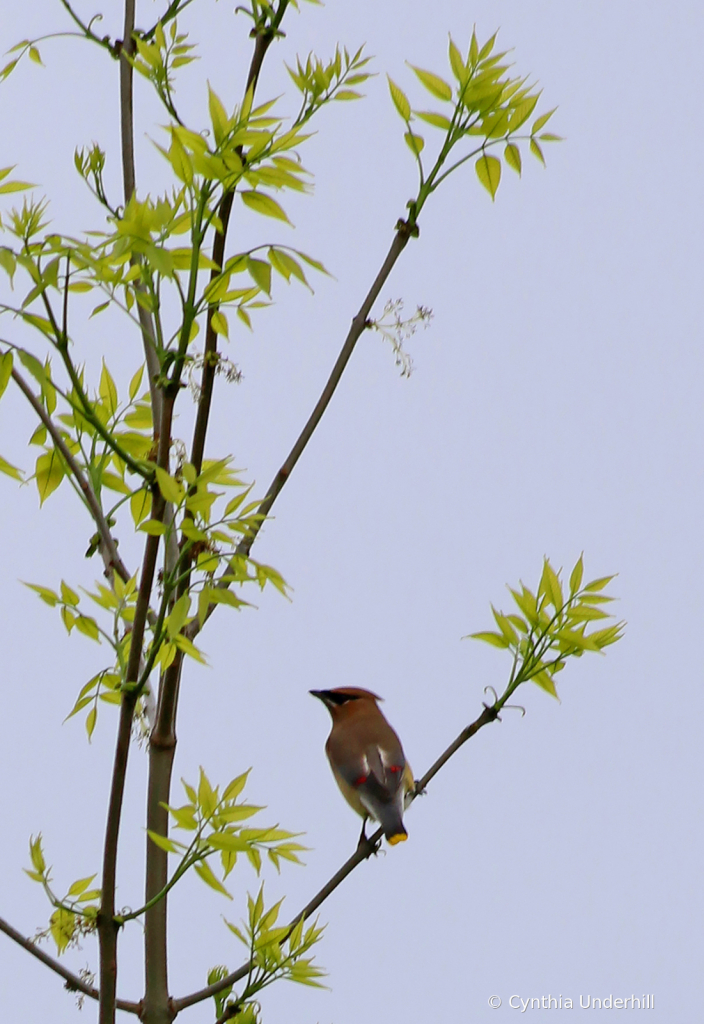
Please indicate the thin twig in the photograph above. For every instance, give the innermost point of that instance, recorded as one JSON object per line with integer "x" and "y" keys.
{"x": 108, "y": 547}
{"x": 359, "y": 324}
{"x": 263, "y": 41}
{"x": 362, "y": 853}
{"x": 129, "y": 185}
{"x": 73, "y": 982}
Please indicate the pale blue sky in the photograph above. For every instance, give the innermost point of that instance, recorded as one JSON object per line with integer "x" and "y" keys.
{"x": 555, "y": 407}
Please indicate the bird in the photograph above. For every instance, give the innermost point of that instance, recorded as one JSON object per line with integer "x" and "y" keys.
{"x": 367, "y": 759}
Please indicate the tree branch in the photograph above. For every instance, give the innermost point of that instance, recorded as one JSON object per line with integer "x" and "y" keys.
{"x": 362, "y": 853}
{"x": 404, "y": 231}
{"x": 73, "y": 982}
{"x": 162, "y": 742}
{"x": 129, "y": 185}
{"x": 108, "y": 547}
{"x": 359, "y": 324}
{"x": 107, "y": 925}
{"x": 262, "y": 44}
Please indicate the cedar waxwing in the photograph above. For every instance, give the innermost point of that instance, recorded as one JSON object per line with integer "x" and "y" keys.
{"x": 367, "y": 759}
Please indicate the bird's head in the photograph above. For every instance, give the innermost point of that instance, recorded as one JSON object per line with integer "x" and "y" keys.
{"x": 346, "y": 700}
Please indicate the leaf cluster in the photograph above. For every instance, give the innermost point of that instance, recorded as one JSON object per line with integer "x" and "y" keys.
{"x": 215, "y": 819}
{"x": 485, "y": 103}
{"x": 74, "y": 915}
{"x": 276, "y": 953}
{"x": 552, "y": 627}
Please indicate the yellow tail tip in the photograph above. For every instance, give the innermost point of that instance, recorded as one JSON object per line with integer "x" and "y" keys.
{"x": 400, "y": 837}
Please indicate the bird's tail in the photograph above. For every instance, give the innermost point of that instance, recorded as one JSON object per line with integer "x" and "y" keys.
{"x": 389, "y": 817}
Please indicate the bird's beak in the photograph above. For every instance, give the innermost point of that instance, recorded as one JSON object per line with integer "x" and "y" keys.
{"x": 318, "y": 694}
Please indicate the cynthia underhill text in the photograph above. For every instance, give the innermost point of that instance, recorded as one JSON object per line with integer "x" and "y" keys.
{"x": 610, "y": 1002}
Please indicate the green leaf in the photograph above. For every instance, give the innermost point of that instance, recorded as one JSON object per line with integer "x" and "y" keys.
{"x": 505, "y": 626}
{"x": 205, "y": 872}
{"x": 180, "y": 160}
{"x": 140, "y": 418}
{"x": 36, "y": 854}
{"x": 8, "y": 262}
{"x": 260, "y": 272}
{"x": 153, "y": 527}
{"x": 437, "y": 120}
{"x": 33, "y": 365}
{"x": 207, "y": 800}
{"x": 576, "y": 576}
{"x": 16, "y": 186}
{"x": 545, "y": 681}
{"x": 170, "y": 488}
{"x": 400, "y": 100}
{"x": 178, "y": 615}
{"x": 218, "y": 321}
{"x": 414, "y": 142}
{"x": 80, "y": 886}
{"x": 49, "y": 472}
{"x": 162, "y": 842}
{"x": 587, "y": 613}
{"x": 576, "y": 639}
{"x": 537, "y": 151}
{"x": 522, "y": 112}
{"x": 234, "y": 788}
{"x": 542, "y": 120}
{"x": 229, "y": 841}
{"x": 512, "y": 156}
{"x": 218, "y": 116}
{"x": 62, "y": 926}
{"x": 489, "y": 173}
{"x": 599, "y": 584}
{"x": 10, "y": 470}
{"x": 604, "y": 637}
{"x": 88, "y": 626}
{"x": 49, "y": 597}
{"x": 550, "y": 586}
{"x": 69, "y": 596}
{"x": 239, "y": 812}
{"x": 91, "y": 719}
{"x": 5, "y": 370}
{"x": 439, "y": 88}
{"x": 473, "y": 49}
{"x": 135, "y": 383}
{"x": 495, "y": 639}
{"x": 108, "y": 390}
{"x": 456, "y": 63}
{"x": 487, "y": 48}
{"x": 261, "y": 203}
{"x": 189, "y": 648}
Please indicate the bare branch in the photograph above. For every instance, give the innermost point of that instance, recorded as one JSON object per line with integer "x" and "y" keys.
{"x": 359, "y": 324}
{"x": 403, "y": 232}
{"x": 362, "y": 853}
{"x": 108, "y": 547}
{"x": 73, "y": 982}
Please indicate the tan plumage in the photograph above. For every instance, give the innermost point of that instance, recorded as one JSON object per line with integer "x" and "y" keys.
{"x": 367, "y": 758}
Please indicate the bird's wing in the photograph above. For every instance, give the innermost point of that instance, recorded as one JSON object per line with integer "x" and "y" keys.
{"x": 385, "y": 771}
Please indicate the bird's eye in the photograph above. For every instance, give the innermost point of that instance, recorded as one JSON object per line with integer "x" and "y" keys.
{"x": 340, "y": 698}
